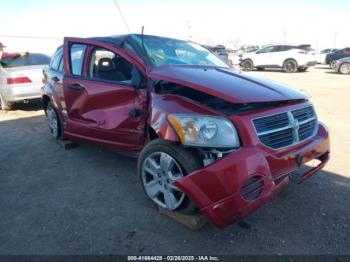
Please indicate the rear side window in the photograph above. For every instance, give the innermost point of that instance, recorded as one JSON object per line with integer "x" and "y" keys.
{"x": 266, "y": 50}
{"x": 30, "y": 59}
{"x": 77, "y": 52}
{"x": 56, "y": 59}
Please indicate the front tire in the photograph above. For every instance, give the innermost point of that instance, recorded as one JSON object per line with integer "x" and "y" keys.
{"x": 247, "y": 65}
{"x": 290, "y": 66}
{"x": 160, "y": 164}
{"x": 53, "y": 121}
{"x": 344, "y": 68}
{"x": 332, "y": 64}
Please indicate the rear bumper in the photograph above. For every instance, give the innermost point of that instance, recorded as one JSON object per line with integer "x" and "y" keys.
{"x": 218, "y": 189}
{"x": 17, "y": 93}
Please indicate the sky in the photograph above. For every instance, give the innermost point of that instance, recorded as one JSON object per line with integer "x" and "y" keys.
{"x": 322, "y": 23}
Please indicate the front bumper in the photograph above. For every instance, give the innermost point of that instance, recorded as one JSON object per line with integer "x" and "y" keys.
{"x": 217, "y": 189}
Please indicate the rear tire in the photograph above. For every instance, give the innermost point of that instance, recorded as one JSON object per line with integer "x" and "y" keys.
{"x": 344, "y": 68}
{"x": 290, "y": 66}
{"x": 54, "y": 122}
{"x": 155, "y": 178}
{"x": 247, "y": 65}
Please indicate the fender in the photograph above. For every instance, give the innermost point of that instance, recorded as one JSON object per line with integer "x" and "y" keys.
{"x": 163, "y": 105}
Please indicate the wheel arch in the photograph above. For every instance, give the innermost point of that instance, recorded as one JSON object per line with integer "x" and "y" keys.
{"x": 290, "y": 58}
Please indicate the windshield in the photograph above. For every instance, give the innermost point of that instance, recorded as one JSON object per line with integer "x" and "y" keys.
{"x": 27, "y": 60}
{"x": 167, "y": 51}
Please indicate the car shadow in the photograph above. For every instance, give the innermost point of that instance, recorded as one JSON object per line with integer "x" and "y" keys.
{"x": 30, "y": 106}
{"x": 322, "y": 67}
{"x": 90, "y": 200}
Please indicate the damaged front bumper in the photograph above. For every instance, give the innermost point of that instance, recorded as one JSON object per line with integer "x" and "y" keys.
{"x": 243, "y": 181}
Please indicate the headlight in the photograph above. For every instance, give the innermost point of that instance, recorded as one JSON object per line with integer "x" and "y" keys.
{"x": 204, "y": 131}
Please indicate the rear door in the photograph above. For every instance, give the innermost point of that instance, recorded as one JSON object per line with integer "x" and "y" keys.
{"x": 54, "y": 77}
{"x": 104, "y": 101}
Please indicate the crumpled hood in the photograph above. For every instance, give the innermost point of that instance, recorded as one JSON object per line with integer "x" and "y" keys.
{"x": 228, "y": 84}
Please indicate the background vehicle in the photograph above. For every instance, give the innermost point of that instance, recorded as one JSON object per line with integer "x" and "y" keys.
{"x": 290, "y": 58}
{"x": 342, "y": 66}
{"x": 220, "y": 51}
{"x": 333, "y": 57}
{"x": 208, "y": 138}
{"x": 321, "y": 56}
{"x": 21, "y": 78}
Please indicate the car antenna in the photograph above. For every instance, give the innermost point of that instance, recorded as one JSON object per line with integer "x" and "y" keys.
{"x": 143, "y": 42}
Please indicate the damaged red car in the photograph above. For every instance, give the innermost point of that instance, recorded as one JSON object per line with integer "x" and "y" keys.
{"x": 208, "y": 138}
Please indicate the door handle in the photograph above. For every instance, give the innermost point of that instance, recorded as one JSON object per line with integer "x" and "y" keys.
{"x": 55, "y": 79}
{"x": 75, "y": 87}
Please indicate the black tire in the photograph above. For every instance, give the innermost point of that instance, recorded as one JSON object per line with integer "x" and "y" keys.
{"x": 5, "y": 105}
{"x": 56, "y": 135}
{"x": 187, "y": 159}
{"x": 302, "y": 69}
{"x": 247, "y": 65}
{"x": 260, "y": 68}
{"x": 290, "y": 66}
{"x": 344, "y": 68}
{"x": 332, "y": 64}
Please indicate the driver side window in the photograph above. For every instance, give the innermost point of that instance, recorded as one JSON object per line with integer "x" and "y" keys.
{"x": 109, "y": 66}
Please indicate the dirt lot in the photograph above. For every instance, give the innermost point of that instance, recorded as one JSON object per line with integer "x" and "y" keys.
{"x": 89, "y": 200}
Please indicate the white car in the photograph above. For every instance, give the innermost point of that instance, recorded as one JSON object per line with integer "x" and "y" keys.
{"x": 21, "y": 79}
{"x": 290, "y": 58}
{"x": 321, "y": 56}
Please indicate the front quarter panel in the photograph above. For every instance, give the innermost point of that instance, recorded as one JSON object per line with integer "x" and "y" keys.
{"x": 163, "y": 105}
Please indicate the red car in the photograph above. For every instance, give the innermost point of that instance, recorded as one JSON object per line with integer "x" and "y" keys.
{"x": 208, "y": 138}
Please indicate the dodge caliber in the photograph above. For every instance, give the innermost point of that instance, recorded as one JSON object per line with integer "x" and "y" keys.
{"x": 208, "y": 138}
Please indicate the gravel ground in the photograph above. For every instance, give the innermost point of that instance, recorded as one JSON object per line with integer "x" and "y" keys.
{"x": 89, "y": 200}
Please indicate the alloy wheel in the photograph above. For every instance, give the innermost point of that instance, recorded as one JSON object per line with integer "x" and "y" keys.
{"x": 333, "y": 64}
{"x": 290, "y": 66}
{"x": 159, "y": 172}
{"x": 52, "y": 120}
{"x": 345, "y": 68}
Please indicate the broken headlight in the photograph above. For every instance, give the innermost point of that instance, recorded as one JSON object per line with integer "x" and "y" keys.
{"x": 204, "y": 131}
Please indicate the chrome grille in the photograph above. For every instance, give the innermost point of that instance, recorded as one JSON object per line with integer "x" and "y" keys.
{"x": 287, "y": 128}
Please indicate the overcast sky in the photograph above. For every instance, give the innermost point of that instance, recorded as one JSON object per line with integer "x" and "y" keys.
{"x": 317, "y": 22}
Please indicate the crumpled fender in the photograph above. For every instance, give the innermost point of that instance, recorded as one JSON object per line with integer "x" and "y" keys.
{"x": 163, "y": 105}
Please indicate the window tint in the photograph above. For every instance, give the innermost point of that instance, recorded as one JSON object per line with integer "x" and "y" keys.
{"x": 76, "y": 58}
{"x": 106, "y": 65}
{"x": 26, "y": 60}
{"x": 56, "y": 59}
{"x": 60, "y": 68}
{"x": 266, "y": 50}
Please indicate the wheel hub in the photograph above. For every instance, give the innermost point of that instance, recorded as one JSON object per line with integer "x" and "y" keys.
{"x": 159, "y": 172}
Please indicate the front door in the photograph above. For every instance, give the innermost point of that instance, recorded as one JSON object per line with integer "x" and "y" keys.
{"x": 104, "y": 101}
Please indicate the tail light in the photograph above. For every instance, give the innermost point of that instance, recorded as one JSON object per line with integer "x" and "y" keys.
{"x": 18, "y": 80}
